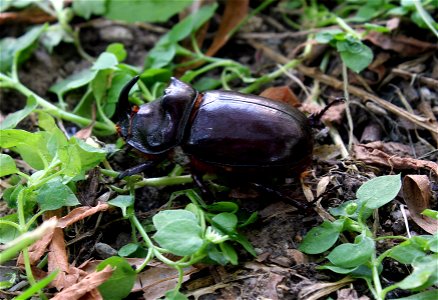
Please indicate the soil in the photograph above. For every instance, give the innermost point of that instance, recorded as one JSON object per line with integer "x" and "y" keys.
{"x": 279, "y": 271}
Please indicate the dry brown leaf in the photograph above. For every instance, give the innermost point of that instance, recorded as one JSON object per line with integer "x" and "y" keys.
{"x": 270, "y": 290}
{"x": 405, "y": 46}
{"x": 32, "y": 15}
{"x": 235, "y": 12}
{"x": 157, "y": 280}
{"x": 333, "y": 114}
{"x": 417, "y": 193}
{"x": 58, "y": 260}
{"x": 86, "y": 285}
{"x": 282, "y": 94}
{"x": 81, "y": 213}
{"x": 372, "y": 153}
{"x": 321, "y": 187}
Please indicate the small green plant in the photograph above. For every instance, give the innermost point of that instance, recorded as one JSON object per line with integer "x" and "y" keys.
{"x": 361, "y": 259}
{"x": 198, "y": 233}
{"x": 58, "y": 163}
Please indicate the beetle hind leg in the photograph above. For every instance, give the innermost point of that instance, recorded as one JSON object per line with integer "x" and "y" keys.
{"x": 267, "y": 190}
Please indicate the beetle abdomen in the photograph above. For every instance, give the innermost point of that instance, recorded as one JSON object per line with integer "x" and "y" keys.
{"x": 237, "y": 130}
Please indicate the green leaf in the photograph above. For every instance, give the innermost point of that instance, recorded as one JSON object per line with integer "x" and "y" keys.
{"x": 424, "y": 275}
{"x": 174, "y": 295}
{"x": 165, "y": 217}
{"x": 356, "y": 55}
{"x": 151, "y": 76}
{"x": 72, "y": 82}
{"x": 20, "y": 49}
{"x": 406, "y": 252}
{"x": 242, "y": 240}
{"x": 13, "y": 119}
{"x": 223, "y": 206}
{"x": 53, "y": 36}
{"x": 123, "y": 202}
{"x": 132, "y": 250}
{"x": 327, "y": 36}
{"x": 433, "y": 243}
{"x": 225, "y": 222}
{"x": 54, "y": 194}
{"x": 90, "y": 156}
{"x": 352, "y": 255}
{"x": 180, "y": 237}
{"x": 379, "y": 191}
{"x": 345, "y": 209}
{"x": 215, "y": 255}
{"x": 105, "y": 60}
{"x": 229, "y": 253}
{"x": 118, "y": 81}
{"x": 7, "y": 232}
{"x": 164, "y": 51}
{"x": 427, "y": 295}
{"x": 430, "y": 213}
{"x": 31, "y": 146}
{"x": 7, "y": 165}
{"x": 321, "y": 238}
{"x": 118, "y": 50}
{"x": 86, "y": 8}
{"x": 337, "y": 269}
{"x": 144, "y": 11}
{"x": 71, "y": 160}
{"x": 13, "y": 137}
{"x": 120, "y": 284}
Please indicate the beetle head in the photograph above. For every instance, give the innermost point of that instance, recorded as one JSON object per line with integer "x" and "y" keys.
{"x": 158, "y": 126}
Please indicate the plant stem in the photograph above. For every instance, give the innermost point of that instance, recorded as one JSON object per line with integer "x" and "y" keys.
{"x": 347, "y": 106}
{"x": 269, "y": 77}
{"x": 54, "y": 110}
{"x": 347, "y": 28}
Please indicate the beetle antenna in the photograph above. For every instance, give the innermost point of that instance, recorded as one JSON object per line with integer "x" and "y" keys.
{"x": 123, "y": 106}
{"x": 315, "y": 119}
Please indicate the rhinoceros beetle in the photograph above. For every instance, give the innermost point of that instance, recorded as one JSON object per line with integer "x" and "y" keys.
{"x": 221, "y": 131}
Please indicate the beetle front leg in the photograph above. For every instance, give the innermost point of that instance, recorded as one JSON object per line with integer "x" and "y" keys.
{"x": 200, "y": 183}
{"x": 138, "y": 169}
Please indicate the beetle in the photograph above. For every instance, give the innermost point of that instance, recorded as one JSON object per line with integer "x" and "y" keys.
{"x": 223, "y": 131}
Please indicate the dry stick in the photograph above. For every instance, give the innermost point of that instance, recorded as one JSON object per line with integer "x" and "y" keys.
{"x": 430, "y": 82}
{"x": 337, "y": 84}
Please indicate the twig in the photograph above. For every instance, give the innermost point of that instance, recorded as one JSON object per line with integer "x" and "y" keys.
{"x": 430, "y": 82}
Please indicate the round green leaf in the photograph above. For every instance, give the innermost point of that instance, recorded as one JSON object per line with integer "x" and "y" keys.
{"x": 181, "y": 237}
{"x": 352, "y": 255}
{"x": 321, "y": 238}
{"x": 167, "y": 216}
{"x": 379, "y": 191}
{"x": 7, "y": 165}
{"x": 119, "y": 285}
{"x": 225, "y": 222}
{"x": 54, "y": 194}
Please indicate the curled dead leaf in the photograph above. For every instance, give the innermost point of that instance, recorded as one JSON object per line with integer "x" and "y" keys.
{"x": 417, "y": 193}
{"x": 86, "y": 285}
{"x": 80, "y": 213}
{"x": 282, "y": 94}
{"x": 373, "y": 153}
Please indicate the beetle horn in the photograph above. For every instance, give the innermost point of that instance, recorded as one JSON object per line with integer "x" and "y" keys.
{"x": 123, "y": 106}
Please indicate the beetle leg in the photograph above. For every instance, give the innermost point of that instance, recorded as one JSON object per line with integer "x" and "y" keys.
{"x": 138, "y": 169}
{"x": 200, "y": 183}
{"x": 270, "y": 191}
